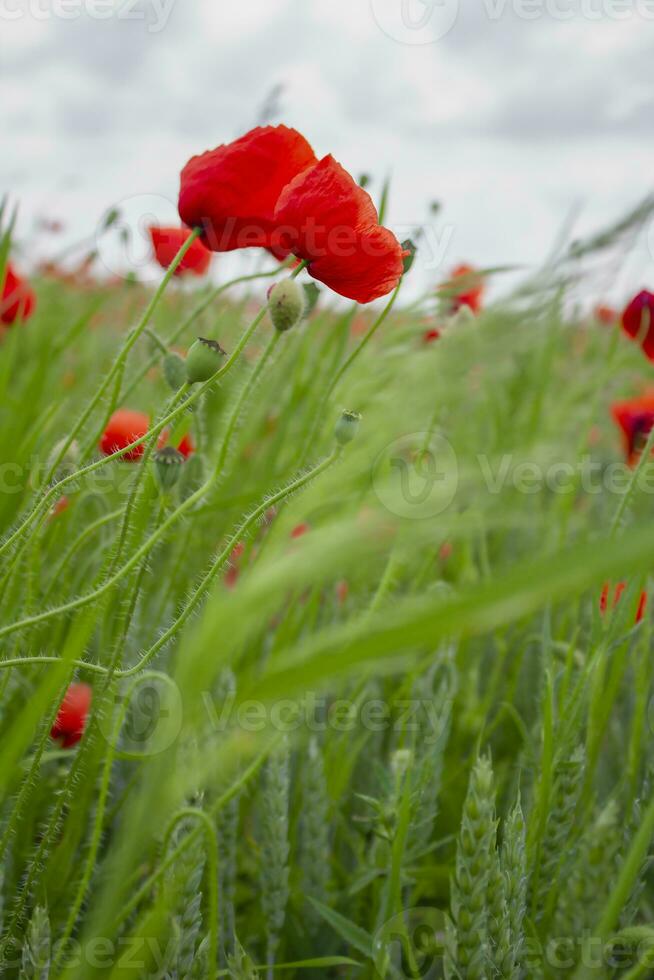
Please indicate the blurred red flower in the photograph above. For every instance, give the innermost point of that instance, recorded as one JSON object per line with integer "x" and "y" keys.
{"x": 186, "y": 447}
{"x": 619, "y": 589}
{"x": 430, "y": 336}
{"x": 635, "y": 417}
{"x": 123, "y": 428}
{"x": 71, "y": 718}
{"x": 471, "y": 291}
{"x": 231, "y": 192}
{"x": 638, "y": 321}
{"x": 18, "y": 300}
{"x": 300, "y": 530}
{"x": 325, "y": 218}
{"x": 167, "y": 242}
{"x": 606, "y": 315}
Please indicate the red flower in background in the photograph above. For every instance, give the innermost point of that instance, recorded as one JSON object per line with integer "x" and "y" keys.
{"x": 17, "y": 300}
{"x": 71, "y": 718}
{"x": 471, "y": 291}
{"x": 186, "y": 447}
{"x": 635, "y": 418}
{"x": 638, "y": 321}
{"x": 167, "y": 242}
{"x": 619, "y": 589}
{"x": 123, "y": 428}
{"x": 299, "y": 531}
{"x": 326, "y": 219}
{"x": 430, "y": 336}
{"x": 231, "y": 192}
{"x": 606, "y": 315}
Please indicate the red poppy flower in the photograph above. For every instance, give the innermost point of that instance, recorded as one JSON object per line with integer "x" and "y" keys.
{"x": 186, "y": 446}
{"x": 123, "y": 428}
{"x": 71, "y": 718}
{"x": 18, "y": 300}
{"x": 606, "y": 315}
{"x": 619, "y": 589}
{"x": 325, "y": 218}
{"x": 430, "y": 336}
{"x": 638, "y": 321}
{"x": 635, "y": 418}
{"x": 300, "y": 530}
{"x": 167, "y": 242}
{"x": 231, "y": 192}
{"x": 471, "y": 291}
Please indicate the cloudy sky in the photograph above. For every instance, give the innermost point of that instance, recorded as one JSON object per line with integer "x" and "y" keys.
{"x": 513, "y": 114}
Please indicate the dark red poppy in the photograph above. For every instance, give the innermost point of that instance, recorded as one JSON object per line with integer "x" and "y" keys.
{"x": 231, "y": 192}
{"x": 18, "y": 300}
{"x": 430, "y": 336}
{"x": 167, "y": 242}
{"x": 325, "y": 218}
{"x": 71, "y": 718}
{"x": 638, "y": 321}
{"x": 123, "y": 428}
{"x": 617, "y": 594}
{"x": 468, "y": 292}
{"x": 635, "y": 418}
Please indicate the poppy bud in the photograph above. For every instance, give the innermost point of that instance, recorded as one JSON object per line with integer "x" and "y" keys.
{"x": 174, "y": 370}
{"x": 347, "y": 427}
{"x": 203, "y": 360}
{"x": 168, "y": 464}
{"x": 286, "y": 304}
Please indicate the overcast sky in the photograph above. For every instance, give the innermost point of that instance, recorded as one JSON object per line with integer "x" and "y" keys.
{"x": 509, "y": 113}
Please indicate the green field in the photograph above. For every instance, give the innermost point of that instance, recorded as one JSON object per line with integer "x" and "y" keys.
{"x": 356, "y": 711}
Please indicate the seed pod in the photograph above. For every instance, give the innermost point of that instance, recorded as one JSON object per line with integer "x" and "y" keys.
{"x": 174, "y": 370}
{"x": 168, "y": 463}
{"x": 203, "y": 360}
{"x": 286, "y": 304}
{"x": 347, "y": 427}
